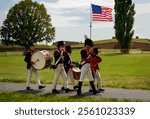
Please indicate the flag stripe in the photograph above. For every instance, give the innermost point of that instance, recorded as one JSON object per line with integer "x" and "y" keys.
{"x": 104, "y": 15}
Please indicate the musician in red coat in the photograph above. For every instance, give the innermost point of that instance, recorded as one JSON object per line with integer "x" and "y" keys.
{"x": 85, "y": 66}
{"x": 95, "y": 60}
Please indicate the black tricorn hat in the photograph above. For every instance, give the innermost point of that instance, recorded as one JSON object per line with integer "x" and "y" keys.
{"x": 60, "y": 43}
{"x": 88, "y": 42}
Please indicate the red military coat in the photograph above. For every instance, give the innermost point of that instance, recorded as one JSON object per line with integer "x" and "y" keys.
{"x": 94, "y": 63}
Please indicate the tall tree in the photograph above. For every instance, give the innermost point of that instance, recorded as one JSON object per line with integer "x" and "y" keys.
{"x": 27, "y": 22}
{"x": 124, "y": 21}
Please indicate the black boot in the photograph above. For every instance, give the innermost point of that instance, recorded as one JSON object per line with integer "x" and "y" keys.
{"x": 40, "y": 87}
{"x": 79, "y": 88}
{"x": 75, "y": 87}
{"x": 55, "y": 91}
{"x": 93, "y": 88}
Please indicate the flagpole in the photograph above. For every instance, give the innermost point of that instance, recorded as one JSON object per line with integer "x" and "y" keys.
{"x": 91, "y": 22}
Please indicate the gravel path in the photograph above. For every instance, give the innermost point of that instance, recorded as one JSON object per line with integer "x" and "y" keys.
{"x": 130, "y": 94}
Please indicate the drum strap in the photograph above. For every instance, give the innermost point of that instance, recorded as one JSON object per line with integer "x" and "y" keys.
{"x": 81, "y": 64}
{"x": 69, "y": 62}
{"x": 61, "y": 55}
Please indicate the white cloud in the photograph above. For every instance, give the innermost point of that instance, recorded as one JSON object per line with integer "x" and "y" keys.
{"x": 62, "y": 21}
{"x": 101, "y": 25}
{"x": 142, "y": 8}
{"x": 64, "y": 4}
{"x": 71, "y": 18}
{"x": 59, "y": 10}
{"x": 142, "y": 19}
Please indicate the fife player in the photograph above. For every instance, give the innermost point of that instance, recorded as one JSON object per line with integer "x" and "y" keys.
{"x": 58, "y": 67}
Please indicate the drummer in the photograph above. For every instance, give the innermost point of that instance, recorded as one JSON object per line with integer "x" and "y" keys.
{"x": 31, "y": 69}
{"x": 59, "y": 67}
{"x": 68, "y": 65}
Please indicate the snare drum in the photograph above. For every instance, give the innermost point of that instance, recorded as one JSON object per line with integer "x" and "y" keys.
{"x": 76, "y": 73}
{"x": 41, "y": 59}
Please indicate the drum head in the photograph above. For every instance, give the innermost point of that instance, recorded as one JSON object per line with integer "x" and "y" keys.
{"x": 76, "y": 69}
{"x": 76, "y": 73}
{"x": 39, "y": 60}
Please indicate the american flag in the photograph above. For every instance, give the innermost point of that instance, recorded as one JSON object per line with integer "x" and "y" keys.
{"x": 100, "y": 13}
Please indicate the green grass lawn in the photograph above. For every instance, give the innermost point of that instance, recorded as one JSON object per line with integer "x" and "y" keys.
{"x": 15, "y": 97}
{"x": 121, "y": 71}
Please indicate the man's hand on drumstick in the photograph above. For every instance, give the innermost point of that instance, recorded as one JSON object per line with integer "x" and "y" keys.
{"x": 32, "y": 62}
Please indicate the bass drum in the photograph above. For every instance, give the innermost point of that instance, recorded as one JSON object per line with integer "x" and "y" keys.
{"x": 41, "y": 59}
{"x": 76, "y": 73}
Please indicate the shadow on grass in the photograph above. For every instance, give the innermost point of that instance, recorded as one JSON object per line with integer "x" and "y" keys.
{"x": 70, "y": 94}
{"x": 29, "y": 91}
{"x": 61, "y": 92}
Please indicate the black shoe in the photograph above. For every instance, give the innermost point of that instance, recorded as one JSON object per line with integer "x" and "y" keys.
{"x": 40, "y": 87}
{"x": 55, "y": 91}
{"x": 28, "y": 88}
{"x": 90, "y": 90}
{"x": 95, "y": 92}
{"x": 101, "y": 90}
{"x": 62, "y": 88}
{"x": 67, "y": 90}
{"x": 75, "y": 87}
{"x": 93, "y": 88}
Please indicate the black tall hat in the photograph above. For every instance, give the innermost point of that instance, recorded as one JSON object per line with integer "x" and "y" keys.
{"x": 60, "y": 43}
{"x": 88, "y": 42}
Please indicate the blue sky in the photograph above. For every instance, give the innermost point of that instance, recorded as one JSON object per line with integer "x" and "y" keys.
{"x": 71, "y": 18}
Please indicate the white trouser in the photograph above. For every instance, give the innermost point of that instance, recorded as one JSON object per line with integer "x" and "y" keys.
{"x": 86, "y": 70}
{"x": 70, "y": 75}
{"x": 98, "y": 77}
{"x": 30, "y": 76}
{"x": 60, "y": 70}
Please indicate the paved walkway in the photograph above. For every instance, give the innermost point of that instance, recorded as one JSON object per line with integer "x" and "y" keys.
{"x": 130, "y": 94}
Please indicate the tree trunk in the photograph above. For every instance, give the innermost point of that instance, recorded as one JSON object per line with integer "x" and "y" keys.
{"x": 26, "y": 49}
{"x": 124, "y": 51}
